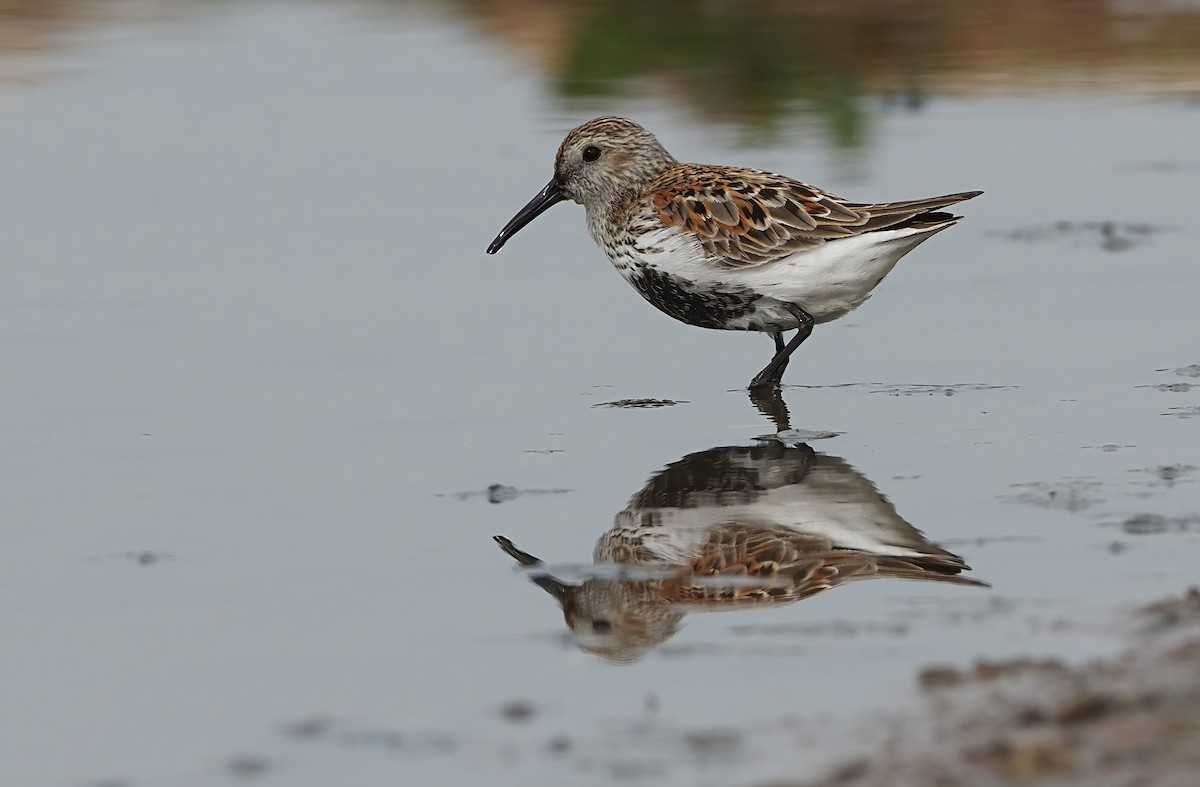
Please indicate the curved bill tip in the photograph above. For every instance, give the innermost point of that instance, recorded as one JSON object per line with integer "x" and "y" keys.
{"x": 546, "y": 198}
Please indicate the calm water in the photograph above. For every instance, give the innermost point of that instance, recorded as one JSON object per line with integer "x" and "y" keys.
{"x": 254, "y": 354}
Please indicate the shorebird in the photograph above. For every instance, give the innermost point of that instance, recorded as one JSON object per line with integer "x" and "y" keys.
{"x": 726, "y": 247}
{"x": 736, "y": 528}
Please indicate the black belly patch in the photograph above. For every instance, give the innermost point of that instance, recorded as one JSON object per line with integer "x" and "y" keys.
{"x": 703, "y": 305}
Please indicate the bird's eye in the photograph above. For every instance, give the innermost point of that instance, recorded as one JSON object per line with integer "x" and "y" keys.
{"x": 591, "y": 153}
{"x": 601, "y": 626}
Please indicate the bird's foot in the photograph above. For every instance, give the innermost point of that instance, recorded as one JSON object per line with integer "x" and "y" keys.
{"x": 769, "y": 379}
{"x": 764, "y": 384}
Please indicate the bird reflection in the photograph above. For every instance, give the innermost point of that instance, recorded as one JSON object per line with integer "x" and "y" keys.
{"x": 736, "y": 528}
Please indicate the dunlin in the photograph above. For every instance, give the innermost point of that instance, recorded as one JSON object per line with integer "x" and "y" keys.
{"x": 725, "y": 247}
{"x": 737, "y": 528}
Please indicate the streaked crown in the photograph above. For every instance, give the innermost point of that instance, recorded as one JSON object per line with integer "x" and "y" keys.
{"x": 606, "y": 158}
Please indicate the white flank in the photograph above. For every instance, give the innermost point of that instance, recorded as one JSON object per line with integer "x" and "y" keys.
{"x": 828, "y": 281}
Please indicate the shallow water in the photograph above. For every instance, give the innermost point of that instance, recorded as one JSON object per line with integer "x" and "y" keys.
{"x": 255, "y": 356}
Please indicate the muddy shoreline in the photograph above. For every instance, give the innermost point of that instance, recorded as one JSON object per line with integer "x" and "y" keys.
{"x": 1131, "y": 718}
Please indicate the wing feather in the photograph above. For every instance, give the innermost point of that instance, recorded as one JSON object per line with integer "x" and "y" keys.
{"x": 747, "y": 217}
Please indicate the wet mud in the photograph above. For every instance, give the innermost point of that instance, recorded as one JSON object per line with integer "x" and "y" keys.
{"x": 1130, "y": 718}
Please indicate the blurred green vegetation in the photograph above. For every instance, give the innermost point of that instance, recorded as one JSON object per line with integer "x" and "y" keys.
{"x": 765, "y": 66}
{"x": 757, "y": 69}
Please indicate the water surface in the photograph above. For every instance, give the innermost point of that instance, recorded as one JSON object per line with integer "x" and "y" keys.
{"x": 249, "y": 330}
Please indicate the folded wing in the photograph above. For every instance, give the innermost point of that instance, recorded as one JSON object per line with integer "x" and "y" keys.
{"x": 746, "y": 217}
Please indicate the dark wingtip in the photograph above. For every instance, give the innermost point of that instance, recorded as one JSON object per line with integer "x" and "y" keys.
{"x": 966, "y": 195}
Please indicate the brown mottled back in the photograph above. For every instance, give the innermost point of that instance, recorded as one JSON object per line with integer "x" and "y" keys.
{"x": 746, "y": 217}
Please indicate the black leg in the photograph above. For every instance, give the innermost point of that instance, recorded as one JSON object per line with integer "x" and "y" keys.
{"x": 779, "y": 347}
{"x": 772, "y": 374}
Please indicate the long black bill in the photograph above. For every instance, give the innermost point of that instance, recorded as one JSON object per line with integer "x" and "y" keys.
{"x": 546, "y": 198}
{"x": 510, "y": 549}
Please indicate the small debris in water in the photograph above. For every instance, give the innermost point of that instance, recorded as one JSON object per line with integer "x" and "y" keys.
{"x": 1071, "y": 494}
{"x": 502, "y": 493}
{"x": 308, "y": 728}
{"x": 143, "y": 557}
{"x": 324, "y": 730}
{"x": 1170, "y": 387}
{"x": 940, "y": 677}
{"x": 796, "y": 437}
{"x": 943, "y": 390}
{"x": 986, "y": 671}
{"x": 1191, "y": 370}
{"x": 634, "y": 404}
{"x": 1108, "y": 448}
{"x": 1183, "y": 412}
{"x": 1168, "y": 474}
{"x": 1108, "y": 235}
{"x": 518, "y": 711}
{"x": 388, "y": 739}
{"x": 1143, "y": 524}
{"x": 559, "y": 744}
{"x": 498, "y": 493}
{"x": 713, "y": 743}
{"x": 248, "y": 766}
{"x": 146, "y": 558}
{"x": 1156, "y": 524}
